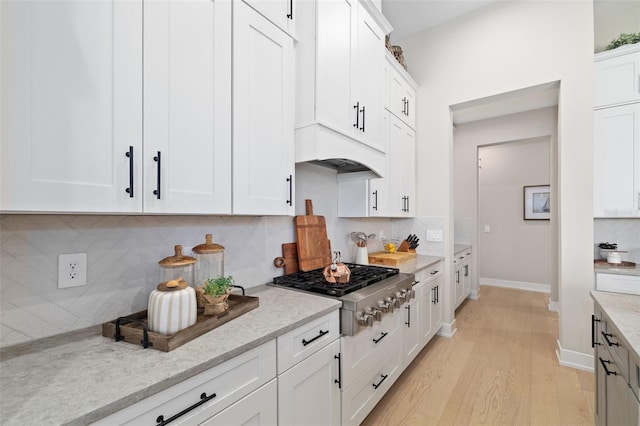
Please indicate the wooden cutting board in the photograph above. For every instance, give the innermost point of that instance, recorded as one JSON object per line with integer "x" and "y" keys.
{"x": 390, "y": 259}
{"x": 314, "y": 251}
{"x": 289, "y": 259}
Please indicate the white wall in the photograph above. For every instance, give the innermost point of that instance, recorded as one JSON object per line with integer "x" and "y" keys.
{"x": 501, "y": 48}
{"x": 515, "y": 250}
{"x": 541, "y": 123}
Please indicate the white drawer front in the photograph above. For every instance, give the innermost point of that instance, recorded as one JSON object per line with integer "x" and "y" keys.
{"x": 229, "y": 381}
{"x": 307, "y": 339}
{"x": 360, "y": 397}
{"x": 427, "y": 274}
{"x": 362, "y": 351}
{"x": 627, "y": 284}
{"x": 259, "y": 408}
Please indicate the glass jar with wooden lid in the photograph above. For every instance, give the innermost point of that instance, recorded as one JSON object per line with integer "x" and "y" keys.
{"x": 176, "y": 266}
{"x": 210, "y": 260}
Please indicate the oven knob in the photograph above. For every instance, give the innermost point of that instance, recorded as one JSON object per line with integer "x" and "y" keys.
{"x": 375, "y": 313}
{"x": 393, "y": 303}
{"x": 383, "y": 306}
{"x": 365, "y": 319}
{"x": 401, "y": 296}
{"x": 411, "y": 294}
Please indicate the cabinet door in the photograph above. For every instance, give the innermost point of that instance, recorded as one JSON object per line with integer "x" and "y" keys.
{"x": 407, "y": 169}
{"x": 259, "y": 408}
{"x": 401, "y": 169}
{"x": 616, "y": 156}
{"x": 263, "y": 156}
{"x": 368, "y": 80}
{"x": 436, "y": 306}
{"x": 72, "y": 105}
{"x": 617, "y": 80}
{"x": 401, "y": 97}
{"x": 334, "y": 65}
{"x": 281, "y": 12}
{"x": 426, "y": 302}
{"x": 187, "y": 98}
{"x": 309, "y": 392}
{"x": 410, "y": 332}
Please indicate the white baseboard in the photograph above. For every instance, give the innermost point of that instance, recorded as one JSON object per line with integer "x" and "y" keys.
{"x": 474, "y": 295}
{"x": 554, "y": 306}
{"x": 574, "y": 359}
{"x": 448, "y": 330}
{"x": 520, "y": 285}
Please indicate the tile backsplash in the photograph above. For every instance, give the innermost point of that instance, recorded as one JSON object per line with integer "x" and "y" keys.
{"x": 123, "y": 254}
{"x": 624, "y": 232}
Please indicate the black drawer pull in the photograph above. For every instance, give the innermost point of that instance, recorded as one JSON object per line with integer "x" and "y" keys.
{"x": 381, "y": 337}
{"x": 375, "y": 206}
{"x": 408, "y": 323}
{"x": 609, "y": 342}
{"x": 594, "y": 320}
{"x": 357, "y": 108}
{"x": 384, "y": 377}
{"x": 434, "y": 272}
{"x": 606, "y": 370}
{"x": 156, "y": 191}
{"x": 339, "y": 379}
{"x": 322, "y": 333}
{"x": 160, "y": 421}
{"x": 290, "y": 180}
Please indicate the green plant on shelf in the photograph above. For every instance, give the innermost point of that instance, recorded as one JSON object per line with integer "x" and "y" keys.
{"x": 218, "y": 286}
{"x": 624, "y": 38}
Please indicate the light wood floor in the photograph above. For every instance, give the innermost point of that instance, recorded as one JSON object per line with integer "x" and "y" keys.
{"x": 500, "y": 368}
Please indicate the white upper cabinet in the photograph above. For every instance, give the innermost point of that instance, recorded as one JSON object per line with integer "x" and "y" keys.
{"x": 616, "y": 156}
{"x": 187, "y": 106}
{"x": 617, "y": 76}
{"x": 401, "y": 92}
{"x": 281, "y": 12}
{"x": 402, "y": 167}
{"x": 71, "y": 106}
{"x": 263, "y": 146}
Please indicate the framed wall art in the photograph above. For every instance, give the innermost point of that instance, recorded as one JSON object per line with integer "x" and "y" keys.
{"x": 537, "y": 202}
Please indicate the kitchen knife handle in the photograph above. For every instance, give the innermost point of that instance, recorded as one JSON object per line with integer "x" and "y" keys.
{"x": 357, "y": 108}
{"x": 290, "y": 180}
{"x": 160, "y": 421}
{"x": 129, "y": 154}
{"x": 375, "y": 206}
{"x": 156, "y": 191}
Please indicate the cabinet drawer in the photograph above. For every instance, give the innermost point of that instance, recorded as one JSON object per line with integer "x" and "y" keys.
{"x": 363, "y": 350}
{"x": 258, "y": 408}
{"x": 229, "y": 381}
{"x": 429, "y": 273}
{"x": 360, "y": 397}
{"x": 307, "y": 339}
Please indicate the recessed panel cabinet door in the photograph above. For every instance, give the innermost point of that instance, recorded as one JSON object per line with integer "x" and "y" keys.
{"x": 263, "y": 150}
{"x": 187, "y": 106}
{"x": 71, "y": 106}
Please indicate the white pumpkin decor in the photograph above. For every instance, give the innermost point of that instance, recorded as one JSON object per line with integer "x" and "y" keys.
{"x": 172, "y": 307}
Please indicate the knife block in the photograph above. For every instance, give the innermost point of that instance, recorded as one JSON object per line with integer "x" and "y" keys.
{"x": 404, "y": 247}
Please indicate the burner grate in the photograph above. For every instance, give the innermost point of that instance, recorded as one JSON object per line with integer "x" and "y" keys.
{"x": 313, "y": 281}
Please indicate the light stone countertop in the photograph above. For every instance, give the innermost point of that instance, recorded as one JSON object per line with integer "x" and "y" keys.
{"x": 82, "y": 377}
{"x": 624, "y": 311}
{"x": 614, "y": 269}
{"x": 457, "y": 248}
{"x": 417, "y": 263}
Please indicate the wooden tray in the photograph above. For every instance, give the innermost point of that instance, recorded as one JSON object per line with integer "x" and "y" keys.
{"x": 134, "y": 333}
{"x": 390, "y": 259}
{"x": 624, "y": 264}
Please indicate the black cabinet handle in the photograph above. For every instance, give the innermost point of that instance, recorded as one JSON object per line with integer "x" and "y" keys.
{"x": 129, "y": 155}
{"x": 290, "y": 14}
{"x": 160, "y": 421}
{"x": 156, "y": 191}
{"x": 433, "y": 295}
{"x": 407, "y": 204}
{"x": 290, "y": 180}
{"x": 594, "y": 320}
{"x": 457, "y": 277}
{"x": 376, "y": 341}
{"x": 375, "y": 206}
{"x": 322, "y": 333}
{"x": 434, "y": 272}
{"x": 408, "y": 323}
{"x": 404, "y": 106}
{"x": 339, "y": 379}
{"x": 609, "y": 342}
{"x": 407, "y": 107}
{"x": 606, "y": 370}
{"x": 362, "y": 111}
{"x": 384, "y": 377}
{"x": 357, "y": 108}
{"x": 466, "y": 270}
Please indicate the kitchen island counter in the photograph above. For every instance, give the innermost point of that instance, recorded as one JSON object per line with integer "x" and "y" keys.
{"x": 81, "y": 377}
{"x": 624, "y": 311}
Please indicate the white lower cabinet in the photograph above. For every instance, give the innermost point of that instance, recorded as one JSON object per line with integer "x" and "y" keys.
{"x": 259, "y": 408}
{"x": 220, "y": 387}
{"x": 462, "y": 275}
{"x": 309, "y": 393}
{"x": 410, "y": 332}
{"x": 428, "y": 292}
{"x": 359, "y": 398}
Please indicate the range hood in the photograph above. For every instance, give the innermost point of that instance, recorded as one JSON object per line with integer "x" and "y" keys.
{"x": 323, "y": 146}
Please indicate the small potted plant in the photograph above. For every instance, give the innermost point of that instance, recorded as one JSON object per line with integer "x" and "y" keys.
{"x": 215, "y": 293}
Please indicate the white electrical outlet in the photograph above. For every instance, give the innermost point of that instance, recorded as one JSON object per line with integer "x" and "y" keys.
{"x": 434, "y": 235}
{"x": 72, "y": 270}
